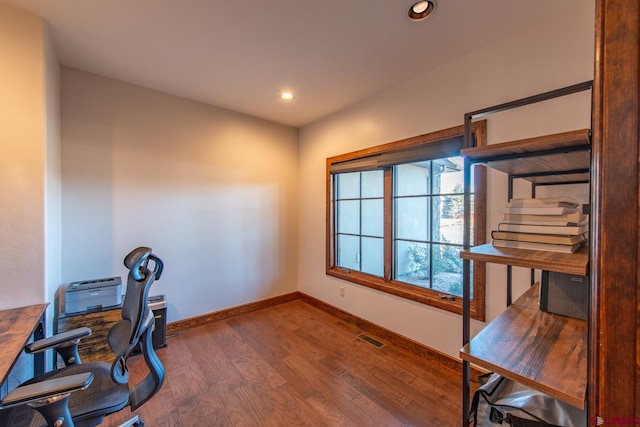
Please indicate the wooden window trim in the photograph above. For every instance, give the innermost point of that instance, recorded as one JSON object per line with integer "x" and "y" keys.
{"x": 385, "y": 284}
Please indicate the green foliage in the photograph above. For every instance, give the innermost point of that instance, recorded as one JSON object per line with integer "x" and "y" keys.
{"x": 447, "y": 266}
{"x": 455, "y": 288}
{"x": 453, "y": 206}
{"x": 419, "y": 261}
{"x": 448, "y": 260}
{"x": 445, "y": 260}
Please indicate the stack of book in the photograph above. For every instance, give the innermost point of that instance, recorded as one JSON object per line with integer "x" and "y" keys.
{"x": 554, "y": 224}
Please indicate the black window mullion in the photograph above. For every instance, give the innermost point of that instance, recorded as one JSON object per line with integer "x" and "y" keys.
{"x": 360, "y": 222}
{"x": 430, "y": 224}
{"x": 334, "y": 181}
{"x": 394, "y": 207}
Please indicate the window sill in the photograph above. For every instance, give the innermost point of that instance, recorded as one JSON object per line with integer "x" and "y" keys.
{"x": 447, "y": 302}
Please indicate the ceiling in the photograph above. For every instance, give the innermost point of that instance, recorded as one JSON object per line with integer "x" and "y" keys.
{"x": 240, "y": 55}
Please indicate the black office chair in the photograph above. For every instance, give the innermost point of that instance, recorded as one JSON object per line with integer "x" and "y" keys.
{"x": 83, "y": 394}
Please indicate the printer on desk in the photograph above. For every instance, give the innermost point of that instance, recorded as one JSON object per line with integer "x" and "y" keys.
{"x": 93, "y": 295}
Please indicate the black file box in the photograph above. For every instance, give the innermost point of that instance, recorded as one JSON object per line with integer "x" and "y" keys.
{"x": 565, "y": 294}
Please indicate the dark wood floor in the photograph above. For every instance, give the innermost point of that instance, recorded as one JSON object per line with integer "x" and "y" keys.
{"x": 295, "y": 365}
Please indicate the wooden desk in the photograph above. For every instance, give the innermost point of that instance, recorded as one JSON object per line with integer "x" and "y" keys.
{"x": 16, "y": 327}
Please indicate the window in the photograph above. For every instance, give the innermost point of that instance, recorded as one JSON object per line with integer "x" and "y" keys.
{"x": 395, "y": 218}
{"x": 360, "y": 221}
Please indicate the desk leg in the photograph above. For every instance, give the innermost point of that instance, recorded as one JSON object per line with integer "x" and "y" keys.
{"x": 38, "y": 358}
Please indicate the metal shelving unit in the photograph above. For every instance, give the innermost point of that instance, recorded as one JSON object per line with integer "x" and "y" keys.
{"x": 550, "y": 160}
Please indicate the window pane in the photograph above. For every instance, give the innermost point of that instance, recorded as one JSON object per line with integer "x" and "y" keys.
{"x": 348, "y": 185}
{"x": 373, "y": 218}
{"x": 472, "y": 186}
{"x": 372, "y": 184}
{"x": 447, "y": 269}
{"x": 472, "y": 229}
{"x": 412, "y": 218}
{"x": 412, "y": 263}
{"x": 349, "y": 216}
{"x": 360, "y": 215}
{"x": 451, "y": 175}
{"x": 349, "y": 252}
{"x": 372, "y": 256}
{"x": 448, "y": 219}
{"x": 411, "y": 179}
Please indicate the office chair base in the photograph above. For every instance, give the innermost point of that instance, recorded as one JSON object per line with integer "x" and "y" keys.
{"x": 133, "y": 422}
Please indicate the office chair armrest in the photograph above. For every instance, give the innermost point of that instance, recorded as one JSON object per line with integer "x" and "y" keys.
{"x": 40, "y": 391}
{"x": 59, "y": 340}
{"x": 65, "y": 343}
{"x": 49, "y": 397}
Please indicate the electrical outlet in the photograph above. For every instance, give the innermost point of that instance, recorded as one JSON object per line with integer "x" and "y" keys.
{"x": 341, "y": 291}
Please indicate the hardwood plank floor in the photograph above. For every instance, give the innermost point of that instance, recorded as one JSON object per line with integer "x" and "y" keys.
{"x": 294, "y": 365}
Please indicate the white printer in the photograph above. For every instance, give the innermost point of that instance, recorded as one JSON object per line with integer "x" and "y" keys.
{"x": 92, "y": 295}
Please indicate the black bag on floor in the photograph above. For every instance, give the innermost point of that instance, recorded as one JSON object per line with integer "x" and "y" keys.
{"x": 504, "y": 402}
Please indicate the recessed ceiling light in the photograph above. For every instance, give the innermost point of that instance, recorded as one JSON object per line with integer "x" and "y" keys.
{"x": 287, "y": 96}
{"x": 421, "y": 9}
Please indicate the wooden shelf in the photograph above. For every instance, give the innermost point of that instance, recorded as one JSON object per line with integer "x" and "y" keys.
{"x": 575, "y": 263}
{"x": 544, "y": 351}
{"x": 561, "y": 157}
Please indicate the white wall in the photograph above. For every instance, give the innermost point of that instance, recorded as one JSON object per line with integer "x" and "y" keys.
{"x": 213, "y": 192}
{"x": 52, "y": 179}
{"x": 29, "y": 169}
{"x": 553, "y": 54}
{"x": 22, "y": 158}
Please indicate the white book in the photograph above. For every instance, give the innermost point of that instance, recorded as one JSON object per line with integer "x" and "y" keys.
{"x": 565, "y": 230}
{"x": 536, "y": 246}
{"x": 564, "y": 201}
{"x": 542, "y": 210}
{"x": 569, "y": 219}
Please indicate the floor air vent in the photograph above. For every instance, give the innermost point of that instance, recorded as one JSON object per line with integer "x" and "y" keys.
{"x": 374, "y": 342}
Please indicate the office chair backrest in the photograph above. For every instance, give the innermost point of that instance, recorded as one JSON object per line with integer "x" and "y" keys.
{"x": 136, "y": 327}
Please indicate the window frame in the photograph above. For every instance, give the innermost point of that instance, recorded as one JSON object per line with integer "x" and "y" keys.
{"x": 385, "y": 284}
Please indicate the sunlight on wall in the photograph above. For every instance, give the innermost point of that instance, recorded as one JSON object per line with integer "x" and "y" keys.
{"x": 22, "y": 157}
